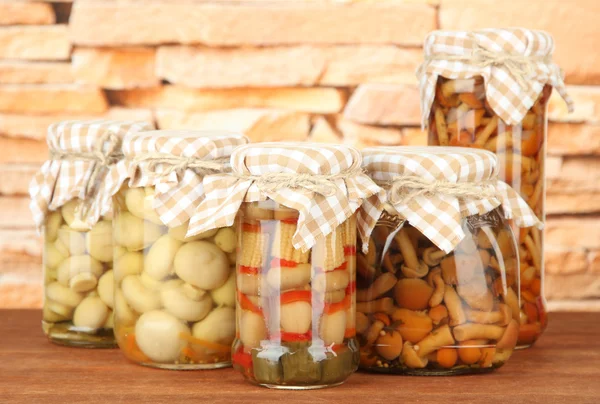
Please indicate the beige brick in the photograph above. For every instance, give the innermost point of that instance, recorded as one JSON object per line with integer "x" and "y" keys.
{"x": 115, "y": 68}
{"x": 573, "y": 23}
{"x": 384, "y": 104}
{"x": 163, "y": 21}
{"x": 587, "y": 105}
{"x": 362, "y": 136}
{"x": 21, "y": 295}
{"x": 14, "y": 212}
{"x": 574, "y": 286}
{"x": 318, "y": 100}
{"x": 573, "y": 232}
{"x": 258, "y": 124}
{"x": 573, "y": 174}
{"x": 20, "y": 253}
{"x": 323, "y": 131}
{"x": 19, "y": 151}
{"x": 595, "y": 262}
{"x": 204, "y": 67}
{"x": 30, "y": 13}
{"x": 35, "y": 73}
{"x": 574, "y": 305}
{"x": 559, "y": 261}
{"x": 414, "y": 137}
{"x": 35, "y": 126}
{"x": 51, "y": 99}
{"x": 572, "y": 203}
{"x": 15, "y": 178}
{"x": 573, "y": 138}
{"x": 35, "y": 42}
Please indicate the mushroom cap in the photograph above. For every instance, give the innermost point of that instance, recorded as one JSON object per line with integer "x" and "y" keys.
{"x": 176, "y": 302}
{"x": 225, "y": 294}
{"x": 63, "y": 295}
{"x": 124, "y": 315}
{"x": 77, "y": 264}
{"x": 131, "y": 263}
{"x": 72, "y": 239}
{"x": 218, "y": 326}
{"x": 53, "y": 221}
{"x": 106, "y": 288}
{"x": 157, "y": 334}
{"x": 138, "y": 297}
{"x": 225, "y": 239}
{"x": 202, "y": 264}
{"x": 179, "y": 232}
{"x": 99, "y": 241}
{"x": 159, "y": 259}
{"x": 91, "y": 313}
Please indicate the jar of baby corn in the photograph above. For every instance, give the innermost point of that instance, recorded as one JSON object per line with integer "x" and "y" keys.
{"x": 74, "y": 213}
{"x": 489, "y": 89}
{"x": 298, "y": 209}
{"x": 437, "y": 292}
{"x": 174, "y": 285}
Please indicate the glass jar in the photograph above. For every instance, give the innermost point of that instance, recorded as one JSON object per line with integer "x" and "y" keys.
{"x": 422, "y": 311}
{"x": 174, "y": 295}
{"x": 78, "y": 282}
{"x": 461, "y": 116}
{"x": 295, "y": 309}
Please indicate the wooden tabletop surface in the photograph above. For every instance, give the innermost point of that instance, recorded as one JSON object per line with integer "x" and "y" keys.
{"x": 564, "y": 367}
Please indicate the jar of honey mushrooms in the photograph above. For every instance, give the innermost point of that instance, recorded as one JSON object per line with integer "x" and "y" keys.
{"x": 437, "y": 291}
{"x": 492, "y": 92}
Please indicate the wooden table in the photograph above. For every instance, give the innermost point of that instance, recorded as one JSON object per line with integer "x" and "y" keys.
{"x": 564, "y": 367}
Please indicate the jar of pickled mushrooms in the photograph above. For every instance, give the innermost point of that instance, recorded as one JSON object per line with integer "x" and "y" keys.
{"x": 174, "y": 284}
{"x": 74, "y": 214}
{"x": 490, "y": 89}
{"x": 298, "y": 209}
{"x": 438, "y": 290}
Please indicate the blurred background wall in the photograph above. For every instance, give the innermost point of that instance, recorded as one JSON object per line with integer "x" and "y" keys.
{"x": 318, "y": 70}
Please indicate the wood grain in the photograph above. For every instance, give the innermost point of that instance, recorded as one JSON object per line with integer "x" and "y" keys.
{"x": 563, "y": 367}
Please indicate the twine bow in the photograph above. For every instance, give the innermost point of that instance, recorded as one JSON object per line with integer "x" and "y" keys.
{"x": 179, "y": 164}
{"x": 105, "y": 152}
{"x": 318, "y": 183}
{"x": 404, "y": 188}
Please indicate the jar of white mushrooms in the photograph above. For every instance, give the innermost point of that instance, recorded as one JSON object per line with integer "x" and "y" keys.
{"x": 76, "y": 223}
{"x": 174, "y": 288}
{"x": 438, "y": 289}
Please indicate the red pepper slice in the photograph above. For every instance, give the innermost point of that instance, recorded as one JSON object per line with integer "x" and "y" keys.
{"x": 283, "y": 263}
{"x": 242, "y": 358}
{"x": 331, "y": 308}
{"x": 350, "y": 250}
{"x": 243, "y": 269}
{"x": 351, "y": 288}
{"x": 246, "y": 304}
{"x": 341, "y": 267}
{"x": 296, "y": 296}
{"x": 295, "y": 337}
{"x": 251, "y": 227}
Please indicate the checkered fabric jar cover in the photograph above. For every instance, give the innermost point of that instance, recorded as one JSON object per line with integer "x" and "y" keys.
{"x": 174, "y": 162}
{"x": 80, "y": 152}
{"x": 434, "y": 188}
{"x": 515, "y": 64}
{"x": 324, "y": 183}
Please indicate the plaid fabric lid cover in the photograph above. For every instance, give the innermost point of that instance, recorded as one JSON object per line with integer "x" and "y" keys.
{"x": 325, "y": 184}
{"x": 174, "y": 162}
{"x": 439, "y": 216}
{"x": 66, "y": 174}
{"x": 515, "y": 64}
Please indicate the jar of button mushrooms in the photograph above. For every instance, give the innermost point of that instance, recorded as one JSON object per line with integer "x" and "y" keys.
{"x": 74, "y": 214}
{"x": 437, "y": 292}
{"x": 296, "y": 259}
{"x": 174, "y": 285}
{"x": 492, "y": 92}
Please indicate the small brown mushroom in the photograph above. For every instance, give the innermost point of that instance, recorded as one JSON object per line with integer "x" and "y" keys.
{"x": 503, "y": 316}
{"x": 476, "y": 294}
{"x": 389, "y": 345}
{"x": 477, "y": 331}
{"x": 381, "y": 285}
{"x": 407, "y": 249}
{"x": 415, "y": 272}
{"x": 362, "y": 322}
{"x": 438, "y": 314}
{"x": 437, "y": 339}
{"x": 509, "y": 338}
{"x": 438, "y": 293}
{"x": 363, "y": 268}
{"x": 454, "y": 306}
{"x": 410, "y": 357}
{"x": 412, "y": 293}
{"x": 512, "y": 301}
{"x": 432, "y": 256}
{"x": 373, "y": 333}
{"x": 385, "y": 305}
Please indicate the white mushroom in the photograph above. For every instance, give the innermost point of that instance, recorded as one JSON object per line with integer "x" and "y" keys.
{"x": 59, "y": 309}
{"x": 225, "y": 294}
{"x": 157, "y": 334}
{"x": 68, "y": 213}
{"x": 99, "y": 241}
{"x": 52, "y": 317}
{"x": 153, "y": 284}
{"x": 73, "y": 240}
{"x": 131, "y": 263}
{"x": 218, "y": 326}
{"x": 333, "y": 327}
{"x": 225, "y": 239}
{"x": 159, "y": 260}
{"x": 252, "y": 329}
{"x": 51, "y": 226}
{"x": 139, "y": 203}
{"x": 83, "y": 282}
{"x": 124, "y": 314}
{"x": 106, "y": 288}
{"x": 138, "y": 297}
{"x": 179, "y": 232}
{"x": 202, "y": 264}
{"x": 75, "y": 265}
{"x": 91, "y": 313}
{"x": 133, "y": 233}
{"x": 296, "y": 317}
{"x": 53, "y": 256}
{"x": 63, "y": 295}
{"x": 176, "y": 302}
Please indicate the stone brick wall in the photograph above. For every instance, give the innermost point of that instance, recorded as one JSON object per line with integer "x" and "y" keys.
{"x": 321, "y": 70}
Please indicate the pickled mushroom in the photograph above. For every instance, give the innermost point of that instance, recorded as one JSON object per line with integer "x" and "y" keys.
{"x": 159, "y": 259}
{"x": 138, "y": 297}
{"x": 218, "y": 326}
{"x": 202, "y": 264}
{"x": 157, "y": 334}
{"x": 176, "y": 302}
{"x": 99, "y": 241}
{"x": 90, "y": 313}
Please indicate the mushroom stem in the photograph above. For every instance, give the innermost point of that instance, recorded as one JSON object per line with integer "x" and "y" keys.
{"x": 410, "y": 357}
{"x": 512, "y": 301}
{"x": 415, "y": 272}
{"x": 381, "y": 285}
{"x": 509, "y": 338}
{"x": 437, "y": 339}
{"x": 373, "y": 332}
{"x": 407, "y": 249}
{"x": 502, "y": 316}
{"x": 432, "y": 256}
{"x": 477, "y": 331}
{"x": 440, "y": 288}
{"x": 454, "y": 305}
{"x": 385, "y": 304}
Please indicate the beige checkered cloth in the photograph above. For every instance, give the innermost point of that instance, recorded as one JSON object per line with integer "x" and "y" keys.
{"x": 500, "y": 55}
{"x": 59, "y": 181}
{"x": 255, "y": 165}
{"x": 440, "y": 216}
{"x": 177, "y": 194}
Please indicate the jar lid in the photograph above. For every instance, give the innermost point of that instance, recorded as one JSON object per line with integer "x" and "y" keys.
{"x": 515, "y": 64}
{"x": 79, "y": 150}
{"x": 434, "y": 188}
{"x": 324, "y": 183}
{"x": 174, "y": 162}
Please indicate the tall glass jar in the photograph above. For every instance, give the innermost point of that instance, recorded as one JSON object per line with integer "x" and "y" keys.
{"x": 71, "y": 207}
{"x": 296, "y": 309}
{"x": 489, "y": 89}
{"x": 423, "y": 311}
{"x": 174, "y": 286}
